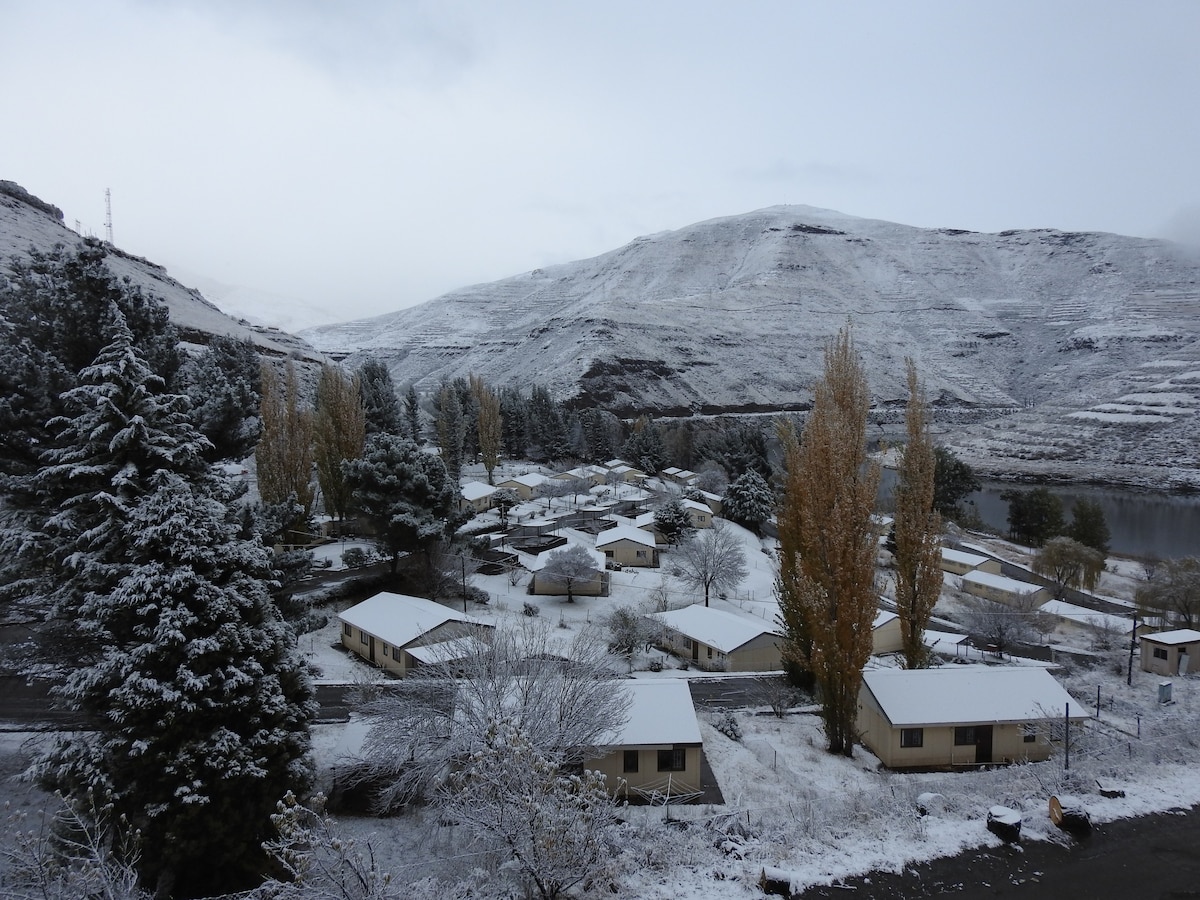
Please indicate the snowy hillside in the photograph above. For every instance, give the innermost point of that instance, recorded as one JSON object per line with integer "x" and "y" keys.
{"x": 26, "y": 221}
{"x": 1091, "y": 337}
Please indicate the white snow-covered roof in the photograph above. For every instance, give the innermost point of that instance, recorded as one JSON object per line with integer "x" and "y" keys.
{"x": 968, "y": 695}
{"x": 400, "y": 619}
{"x": 448, "y": 651}
{"x": 882, "y": 618}
{"x": 529, "y": 479}
{"x": 942, "y": 639}
{"x": 1179, "y": 636}
{"x": 477, "y": 490}
{"x": 1000, "y": 582}
{"x": 645, "y": 520}
{"x": 671, "y": 471}
{"x": 660, "y": 712}
{"x": 1090, "y": 617}
{"x": 724, "y": 631}
{"x": 625, "y": 533}
{"x": 616, "y": 464}
{"x": 696, "y": 505}
{"x": 962, "y": 558}
{"x": 542, "y": 558}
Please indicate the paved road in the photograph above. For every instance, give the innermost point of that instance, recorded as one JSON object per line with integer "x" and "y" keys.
{"x": 29, "y": 703}
{"x": 1148, "y": 858}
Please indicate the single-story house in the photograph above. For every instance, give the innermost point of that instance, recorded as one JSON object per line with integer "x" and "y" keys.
{"x": 1004, "y": 590}
{"x": 539, "y": 583}
{"x": 962, "y": 715}
{"x": 723, "y": 641}
{"x": 656, "y": 754}
{"x": 525, "y": 485}
{"x": 715, "y": 502}
{"x": 1171, "y": 652}
{"x": 625, "y": 474}
{"x": 959, "y": 562}
{"x": 476, "y": 495}
{"x": 398, "y": 633}
{"x": 678, "y": 475}
{"x": 628, "y": 546}
{"x": 700, "y": 514}
{"x": 593, "y": 475}
{"x": 885, "y": 633}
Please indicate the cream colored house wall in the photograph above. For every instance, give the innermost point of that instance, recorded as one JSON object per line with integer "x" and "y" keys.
{"x": 359, "y": 642}
{"x": 1035, "y": 595}
{"x": 886, "y": 638}
{"x": 938, "y": 749}
{"x": 954, "y": 567}
{"x": 625, "y": 552}
{"x": 621, "y": 783}
{"x": 761, "y": 654}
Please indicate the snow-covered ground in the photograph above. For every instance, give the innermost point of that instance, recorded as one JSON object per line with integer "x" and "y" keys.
{"x": 788, "y": 804}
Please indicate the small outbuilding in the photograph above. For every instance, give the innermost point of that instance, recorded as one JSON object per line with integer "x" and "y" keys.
{"x": 399, "y": 633}
{"x": 525, "y": 486}
{"x": 1171, "y": 652}
{"x": 719, "y": 640}
{"x": 656, "y": 754}
{"x": 541, "y": 583}
{"x": 476, "y": 495}
{"x": 962, "y": 715}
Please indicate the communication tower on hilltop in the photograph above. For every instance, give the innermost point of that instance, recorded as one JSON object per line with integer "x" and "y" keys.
{"x": 108, "y": 215}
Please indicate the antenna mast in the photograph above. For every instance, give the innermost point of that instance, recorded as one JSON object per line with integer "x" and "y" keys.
{"x": 108, "y": 215}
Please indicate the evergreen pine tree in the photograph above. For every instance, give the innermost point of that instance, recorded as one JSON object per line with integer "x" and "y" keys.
{"x": 224, "y": 385}
{"x": 200, "y": 700}
{"x": 748, "y": 501}
{"x": 381, "y": 407}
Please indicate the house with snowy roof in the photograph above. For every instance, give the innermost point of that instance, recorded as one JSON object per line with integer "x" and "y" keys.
{"x": 593, "y": 475}
{"x": 1008, "y": 591}
{"x": 700, "y": 513}
{"x": 540, "y": 583}
{"x": 722, "y": 641}
{"x": 962, "y": 715}
{"x": 959, "y": 562}
{"x": 399, "y": 633}
{"x": 628, "y": 546}
{"x": 476, "y": 495}
{"x": 885, "y": 633}
{"x": 525, "y": 486}
{"x": 1171, "y": 652}
{"x": 656, "y": 754}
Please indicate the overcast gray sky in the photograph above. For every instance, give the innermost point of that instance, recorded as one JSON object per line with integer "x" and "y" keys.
{"x": 365, "y": 156}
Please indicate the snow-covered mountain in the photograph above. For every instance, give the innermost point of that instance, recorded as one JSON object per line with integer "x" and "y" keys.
{"x": 26, "y": 221}
{"x": 1062, "y": 354}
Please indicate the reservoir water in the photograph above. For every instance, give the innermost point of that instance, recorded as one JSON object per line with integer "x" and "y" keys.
{"x": 1141, "y": 524}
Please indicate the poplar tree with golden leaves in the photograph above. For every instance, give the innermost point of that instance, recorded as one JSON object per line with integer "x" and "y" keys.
{"x": 490, "y": 426}
{"x": 284, "y": 456}
{"x": 339, "y": 433}
{"x": 827, "y": 543}
{"x": 918, "y": 551}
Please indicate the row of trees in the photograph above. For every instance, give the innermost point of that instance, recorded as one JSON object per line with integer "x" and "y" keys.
{"x": 827, "y": 539}
{"x": 1035, "y": 516}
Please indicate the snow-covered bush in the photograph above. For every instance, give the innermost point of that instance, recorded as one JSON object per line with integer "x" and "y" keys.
{"x": 727, "y": 723}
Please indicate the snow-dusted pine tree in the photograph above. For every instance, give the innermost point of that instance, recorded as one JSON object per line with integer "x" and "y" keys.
{"x": 748, "y": 500}
{"x": 200, "y": 700}
{"x": 120, "y": 429}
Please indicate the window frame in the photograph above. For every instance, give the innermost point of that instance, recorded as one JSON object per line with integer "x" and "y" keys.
{"x": 912, "y": 738}
{"x": 964, "y": 735}
{"x": 673, "y": 759}
{"x": 631, "y": 762}
{"x": 1161, "y": 653}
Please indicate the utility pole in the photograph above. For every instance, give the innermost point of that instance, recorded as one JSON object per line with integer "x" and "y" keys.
{"x": 108, "y": 215}
{"x": 1132, "y": 647}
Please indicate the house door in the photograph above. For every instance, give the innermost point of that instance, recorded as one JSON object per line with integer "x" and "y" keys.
{"x": 372, "y": 649}
{"x": 695, "y": 651}
{"x": 983, "y": 743}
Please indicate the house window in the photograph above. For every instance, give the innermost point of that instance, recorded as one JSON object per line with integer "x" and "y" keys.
{"x": 710, "y": 652}
{"x": 631, "y": 761}
{"x": 912, "y": 737}
{"x": 1029, "y": 733}
{"x": 396, "y": 654}
{"x": 347, "y": 630}
{"x": 641, "y": 554}
{"x": 964, "y": 736}
{"x": 608, "y": 554}
{"x": 362, "y": 637}
{"x": 673, "y": 760}
{"x": 687, "y": 643}
{"x": 1160, "y": 653}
